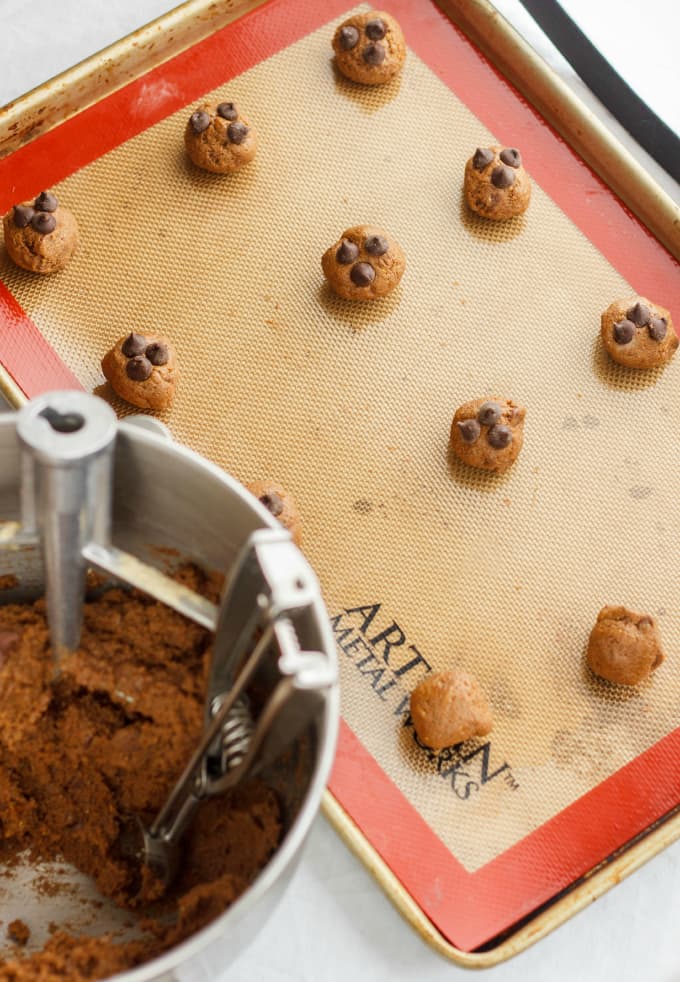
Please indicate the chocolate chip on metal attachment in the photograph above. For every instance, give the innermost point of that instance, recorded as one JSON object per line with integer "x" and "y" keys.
{"x": 469, "y": 430}
{"x": 22, "y": 215}
{"x": 348, "y": 38}
{"x": 272, "y": 502}
{"x": 489, "y": 413}
{"x": 227, "y": 110}
{"x": 640, "y": 314}
{"x": 139, "y": 368}
{"x": 502, "y": 177}
{"x": 362, "y": 274}
{"x": 134, "y": 344}
{"x": 511, "y": 157}
{"x": 237, "y": 132}
{"x": 376, "y": 245}
{"x": 624, "y": 332}
{"x": 158, "y": 353}
{"x": 374, "y": 54}
{"x": 482, "y": 158}
{"x": 200, "y": 121}
{"x": 376, "y": 29}
{"x": 347, "y": 252}
{"x": 46, "y": 201}
{"x": 657, "y": 328}
{"x": 499, "y": 436}
{"x": 43, "y": 222}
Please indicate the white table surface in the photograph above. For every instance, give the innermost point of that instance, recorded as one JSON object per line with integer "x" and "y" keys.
{"x": 334, "y": 923}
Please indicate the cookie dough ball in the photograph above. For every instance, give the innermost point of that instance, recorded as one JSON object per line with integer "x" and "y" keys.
{"x": 638, "y": 333}
{"x": 281, "y": 504}
{"x": 496, "y": 184}
{"x": 142, "y": 369}
{"x": 488, "y": 433}
{"x": 364, "y": 264}
{"x": 624, "y": 647}
{"x": 369, "y": 48}
{"x": 448, "y": 708}
{"x": 40, "y": 235}
{"x": 219, "y": 138}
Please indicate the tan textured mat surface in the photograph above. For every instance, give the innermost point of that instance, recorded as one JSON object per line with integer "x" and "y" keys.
{"x": 350, "y": 407}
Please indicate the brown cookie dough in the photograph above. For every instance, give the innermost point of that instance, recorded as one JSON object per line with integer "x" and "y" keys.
{"x": 142, "y": 369}
{"x": 364, "y": 264}
{"x": 638, "y": 333}
{"x": 488, "y": 433}
{"x": 281, "y": 504}
{"x": 40, "y": 235}
{"x": 448, "y": 708}
{"x": 369, "y": 48}
{"x": 624, "y": 647}
{"x": 219, "y": 138}
{"x": 496, "y": 184}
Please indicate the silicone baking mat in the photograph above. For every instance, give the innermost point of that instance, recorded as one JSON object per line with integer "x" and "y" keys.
{"x": 424, "y": 564}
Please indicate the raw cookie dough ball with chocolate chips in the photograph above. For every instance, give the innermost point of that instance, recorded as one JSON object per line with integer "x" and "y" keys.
{"x": 281, "y": 504}
{"x": 142, "y": 369}
{"x": 219, "y": 138}
{"x": 638, "y": 333}
{"x": 364, "y": 264}
{"x": 369, "y": 48}
{"x": 488, "y": 433}
{"x": 496, "y": 185}
{"x": 624, "y": 647}
{"x": 40, "y": 235}
{"x": 449, "y": 707}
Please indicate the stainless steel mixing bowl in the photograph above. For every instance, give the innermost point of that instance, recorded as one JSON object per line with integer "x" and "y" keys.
{"x": 168, "y": 498}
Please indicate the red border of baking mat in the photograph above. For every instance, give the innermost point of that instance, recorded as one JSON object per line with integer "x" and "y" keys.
{"x": 468, "y": 908}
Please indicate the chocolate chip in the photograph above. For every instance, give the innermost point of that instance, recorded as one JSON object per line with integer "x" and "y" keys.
{"x": 374, "y": 54}
{"x": 158, "y": 353}
{"x": 46, "y": 201}
{"x": 139, "y": 368}
{"x": 657, "y": 328}
{"x": 347, "y": 252}
{"x": 489, "y": 413}
{"x": 134, "y": 344}
{"x": 499, "y": 436}
{"x": 200, "y": 121}
{"x": 273, "y": 502}
{"x": 376, "y": 29}
{"x": 348, "y": 38}
{"x": 43, "y": 222}
{"x": 227, "y": 110}
{"x": 376, "y": 245}
{"x": 362, "y": 274}
{"x": 22, "y": 215}
{"x": 502, "y": 177}
{"x": 469, "y": 430}
{"x": 511, "y": 157}
{"x": 482, "y": 158}
{"x": 237, "y": 132}
{"x": 639, "y": 314}
{"x": 624, "y": 331}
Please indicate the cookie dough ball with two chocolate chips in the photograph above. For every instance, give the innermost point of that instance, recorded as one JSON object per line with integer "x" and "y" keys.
{"x": 142, "y": 369}
{"x": 624, "y": 647}
{"x": 638, "y": 333}
{"x": 496, "y": 185}
{"x": 219, "y": 138}
{"x": 40, "y": 235}
{"x": 488, "y": 433}
{"x": 448, "y": 708}
{"x": 281, "y": 504}
{"x": 364, "y": 264}
{"x": 369, "y": 48}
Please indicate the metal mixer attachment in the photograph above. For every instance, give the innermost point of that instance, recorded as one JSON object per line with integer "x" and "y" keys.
{"x": 67, "y": 442}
